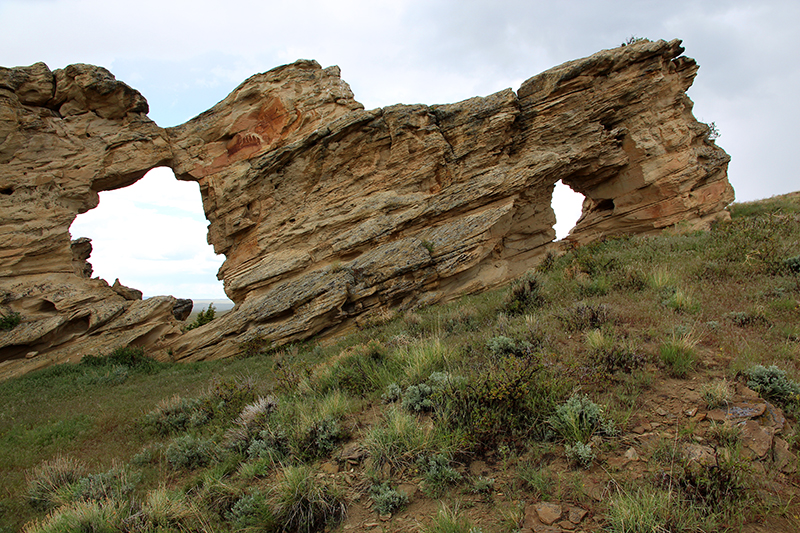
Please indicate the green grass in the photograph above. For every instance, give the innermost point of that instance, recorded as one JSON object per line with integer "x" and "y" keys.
{"x": 611, "y": 321}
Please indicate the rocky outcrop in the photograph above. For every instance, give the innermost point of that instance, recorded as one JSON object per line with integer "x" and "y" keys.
{"x": 65, "y": 136}
{"x": 327, "y": 212}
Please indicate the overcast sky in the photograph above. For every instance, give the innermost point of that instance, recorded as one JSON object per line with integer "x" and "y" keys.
{"x": 184, "y": 56}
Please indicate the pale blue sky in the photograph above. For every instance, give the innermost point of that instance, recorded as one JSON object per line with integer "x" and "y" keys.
{"x": 185, "y": 56}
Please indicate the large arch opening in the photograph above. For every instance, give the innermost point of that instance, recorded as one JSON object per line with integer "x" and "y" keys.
{"x": 567, "y": 205}
{"x": 152, "y": 237}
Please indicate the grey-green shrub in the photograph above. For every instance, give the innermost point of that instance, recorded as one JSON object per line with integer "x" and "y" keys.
{"x": 252, "y": 512}
{"x": 385, "y": 499}
{"x": 189, "y": 452}
{"x": 176, "y": 414}
{"x": 771, "y": 383}
{"x": 580, "y": 453}
{"x": 439, "y": 474}
{"x": 578, "y": 419}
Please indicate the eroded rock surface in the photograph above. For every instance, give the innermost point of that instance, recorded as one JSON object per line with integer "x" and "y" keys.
{"x": 327, "y": 212}
{"x": 65, "y": 136}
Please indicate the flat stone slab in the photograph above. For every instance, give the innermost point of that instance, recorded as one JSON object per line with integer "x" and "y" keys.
{"x": 738, "y": 411}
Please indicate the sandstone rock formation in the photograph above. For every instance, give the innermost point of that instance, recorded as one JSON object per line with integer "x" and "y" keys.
{"x": 65, "y": 136}
{"x": 327, "y": 212}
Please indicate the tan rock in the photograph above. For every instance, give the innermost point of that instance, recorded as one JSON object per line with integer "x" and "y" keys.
{"x": 548, "y": 513}
{"x": 327, "y": 212}
{"x": 756, "y": 438}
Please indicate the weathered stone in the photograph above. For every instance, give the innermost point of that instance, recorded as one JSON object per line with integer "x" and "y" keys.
{"x": 182, "y": 309}
{"x": 738, "y": 411}
{"x": 326, "y": 211}
{"x": 697, "y": 453}
{"x": 756, "y": 438}
{"x": 576, "y": 514}
{"x": 785, "y": 460}
{"x": 127, "y": 292}
{"x": 548, "y": 513}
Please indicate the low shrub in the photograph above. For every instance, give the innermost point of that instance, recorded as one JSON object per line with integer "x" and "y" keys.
{"x": 772, "y": 383}
{"x": 509, "y": 399}
{"x": 585, "y": 316}
{"x": 580, "y": 453}
{"x": 203, "y": 318}
{"x": 609, "y": 356}
{"x": 385, "y": 499}
{"x": 524, "y": 295}
{"x": 423, "y": 397}
{"x": 501, "y": 346}
{"x": 252, "y": 512}
{"x": 579, "y": 418}
{"x": 718, "y": 485}
{"x": 176, "y": 414}
{"x": 9, "y": 321}
{"x": 189, "y": 452}
{"x": 132, "y": 357}
{"x": 321, "y": 437}
{"x": 439, "y": 474}
{"x": 116, "y": 484}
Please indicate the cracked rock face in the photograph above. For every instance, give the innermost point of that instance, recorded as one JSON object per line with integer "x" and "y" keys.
{"x": 327, "y": 212}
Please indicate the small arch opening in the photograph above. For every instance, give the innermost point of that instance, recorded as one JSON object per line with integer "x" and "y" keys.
{"x": 568, "y": 206}
{"x": 152, "y": 237}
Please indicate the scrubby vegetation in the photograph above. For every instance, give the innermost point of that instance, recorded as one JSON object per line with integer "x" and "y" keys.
{"x": 605, "y": 383}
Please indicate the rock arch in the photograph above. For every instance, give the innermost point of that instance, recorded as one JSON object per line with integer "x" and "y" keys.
{"x": 327, "y": 212}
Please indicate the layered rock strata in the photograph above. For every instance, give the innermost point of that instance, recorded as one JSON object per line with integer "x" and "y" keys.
{"x": 327, "y": 212}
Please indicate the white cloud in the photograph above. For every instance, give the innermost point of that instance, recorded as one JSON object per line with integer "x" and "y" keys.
{"x": 152, "y": 236}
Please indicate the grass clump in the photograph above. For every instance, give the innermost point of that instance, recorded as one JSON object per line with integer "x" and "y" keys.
{"x": 449, "y": 520}
{"x": 678, "y": 355}
{"x": 176, "y": 414}
{"x": 106, "y": 516}
{"x": 643, "y": 511}
{"x": 304, "y": 503}
{"x": 717, "y": 393}
{"x": 51, "y": 483}
{"x": 400, "y": 439}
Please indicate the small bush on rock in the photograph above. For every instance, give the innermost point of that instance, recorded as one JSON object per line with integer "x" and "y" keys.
{"x": 771, "y": 383}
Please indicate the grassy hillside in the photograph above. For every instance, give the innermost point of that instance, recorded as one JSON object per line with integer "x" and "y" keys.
{"x": 637, "y": 384}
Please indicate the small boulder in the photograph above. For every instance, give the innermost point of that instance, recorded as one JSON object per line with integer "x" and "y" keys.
{"x": 182, "y": 309}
